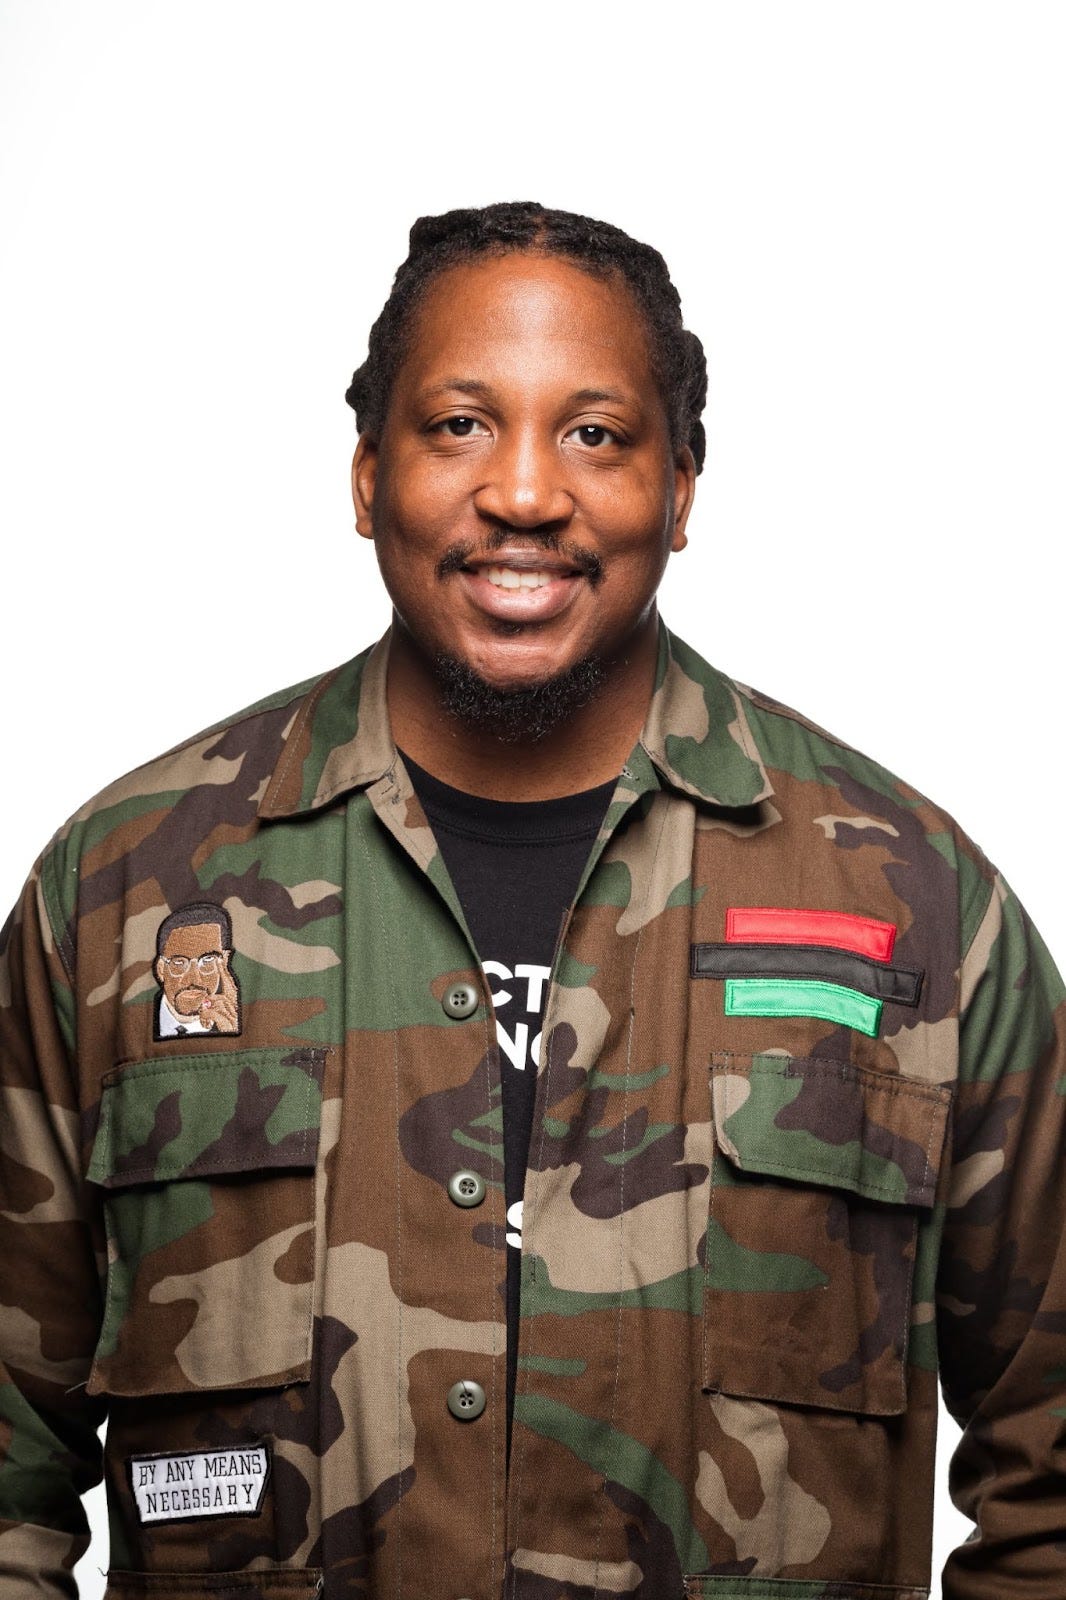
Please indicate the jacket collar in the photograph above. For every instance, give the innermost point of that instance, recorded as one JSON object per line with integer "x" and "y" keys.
{"x": 696, "y": 734}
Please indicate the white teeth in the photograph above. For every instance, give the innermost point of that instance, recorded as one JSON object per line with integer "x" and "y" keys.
{"x": 512, "y": 578}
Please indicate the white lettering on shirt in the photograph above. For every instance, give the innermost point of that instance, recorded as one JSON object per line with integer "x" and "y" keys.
{"x": 518, "y": 1048}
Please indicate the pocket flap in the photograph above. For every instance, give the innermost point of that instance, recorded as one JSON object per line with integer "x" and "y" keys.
{"x": 204, "y": 1115}
{"x": 814, "y": 1120}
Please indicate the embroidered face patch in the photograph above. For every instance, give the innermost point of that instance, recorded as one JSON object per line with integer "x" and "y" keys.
{"x": 199, "y": 992}
{"x": 780, "y": 961}
{"x": 200, "y": 1483}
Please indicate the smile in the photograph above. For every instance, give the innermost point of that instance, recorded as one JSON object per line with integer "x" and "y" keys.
{"x": 510, "y": 578}
{"x": 519, "y": 591}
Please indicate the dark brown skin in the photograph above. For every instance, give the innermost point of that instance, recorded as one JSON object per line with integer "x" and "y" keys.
{"x": 480, "y": 451}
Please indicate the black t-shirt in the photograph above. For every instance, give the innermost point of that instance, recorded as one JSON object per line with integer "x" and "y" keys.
{"x": 515, "y": 865}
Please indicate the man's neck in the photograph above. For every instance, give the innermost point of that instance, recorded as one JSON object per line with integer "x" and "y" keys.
{"x": 588, "y": 747}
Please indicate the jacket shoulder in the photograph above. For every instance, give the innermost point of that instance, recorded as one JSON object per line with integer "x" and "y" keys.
{"x": 794, "y": 746}
{"x": 215, "y": 776}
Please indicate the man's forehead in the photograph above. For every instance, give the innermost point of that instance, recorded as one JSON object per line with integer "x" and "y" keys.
{"x": 204, "y": 935}
{"x": 532, "y": 301}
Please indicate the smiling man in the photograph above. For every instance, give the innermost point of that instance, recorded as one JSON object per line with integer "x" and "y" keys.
{"x": 637, "y": 1101}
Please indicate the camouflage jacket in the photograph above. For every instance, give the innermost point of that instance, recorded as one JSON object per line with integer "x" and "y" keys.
{"x": 797, "y": 1156}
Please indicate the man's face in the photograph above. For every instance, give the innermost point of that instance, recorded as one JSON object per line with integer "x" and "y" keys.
{"x": 191, "y": 966}
{"x": 524, "y": 496}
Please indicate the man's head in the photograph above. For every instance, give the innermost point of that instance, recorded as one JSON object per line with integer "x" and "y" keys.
{"x": 193, "y": 948}
{"x": 477, "y": 233}
{"x": 530, "y": 436}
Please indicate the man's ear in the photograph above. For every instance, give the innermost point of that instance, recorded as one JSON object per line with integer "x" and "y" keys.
{"x": 364, "y": 476}
{"x": 158, "y": 969}
{"x": 684, "y": 490}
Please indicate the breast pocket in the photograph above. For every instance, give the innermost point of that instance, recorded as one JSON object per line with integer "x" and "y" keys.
{"x": 820, "y": 1176}
{"x": 208, "y": 1168}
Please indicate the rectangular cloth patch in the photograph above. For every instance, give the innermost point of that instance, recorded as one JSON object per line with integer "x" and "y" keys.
{"x": 867, "y": 936}
{"x": 200, "y": 1483}
{"x": 776, "y": 997}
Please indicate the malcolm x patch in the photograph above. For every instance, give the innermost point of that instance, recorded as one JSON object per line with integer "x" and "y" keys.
{"x": 198, "y": 989}
{"x": 200, "y": 1483}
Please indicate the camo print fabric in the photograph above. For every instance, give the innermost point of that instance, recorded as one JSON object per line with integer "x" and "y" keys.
{"x": 753, "y": 1242}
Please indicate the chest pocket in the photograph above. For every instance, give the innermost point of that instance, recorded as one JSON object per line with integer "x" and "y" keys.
{"x": 208, "y": 1168}
{"x": 820, "y": 1174}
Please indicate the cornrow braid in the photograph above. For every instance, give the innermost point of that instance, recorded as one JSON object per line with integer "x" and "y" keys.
{"x": 437, "y": 243}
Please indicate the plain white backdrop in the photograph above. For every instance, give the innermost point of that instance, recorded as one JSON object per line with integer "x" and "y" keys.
{"x": 201, "y": 208}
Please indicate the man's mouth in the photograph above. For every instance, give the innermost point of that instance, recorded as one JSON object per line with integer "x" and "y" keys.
{"x": 513, "y": 565}
{"x": 512, "y": 584}
{"x": 526, "y": 586}
{"x": 515, "y": 578}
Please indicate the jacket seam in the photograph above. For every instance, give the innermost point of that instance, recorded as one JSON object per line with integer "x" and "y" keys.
{"x": 649, "y": 880}
{"x": 303, "y": 716}
{"x": 892, "y": 1084}
{"x": 53, "y": 910}
{"x": 978, "y": 924}
{"x": 383, "y": 925}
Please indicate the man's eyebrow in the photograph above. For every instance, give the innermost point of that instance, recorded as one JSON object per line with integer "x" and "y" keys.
{"x": 592, "y": 397}
{"x": 466, "y": 385}
{"x": 485, "y": 391}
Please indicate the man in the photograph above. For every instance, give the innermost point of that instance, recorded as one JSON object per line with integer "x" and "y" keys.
{"x": 384, "y": 1297}
{"x": 198, "y": 992}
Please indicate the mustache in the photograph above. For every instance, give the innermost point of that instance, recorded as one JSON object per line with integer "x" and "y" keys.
{"x": 458, "y": 555}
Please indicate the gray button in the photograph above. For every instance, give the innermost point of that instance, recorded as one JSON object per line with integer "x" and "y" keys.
{"x": 466, "y": 1400}
{"x": 460, "y": 999}
{"x": 466, "y": 1188}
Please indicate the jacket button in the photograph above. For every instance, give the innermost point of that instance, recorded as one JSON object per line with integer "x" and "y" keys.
{"x": 460, "y": 999}
{"x": 466, "y": 1400}
{"x": 466, "y": 1188}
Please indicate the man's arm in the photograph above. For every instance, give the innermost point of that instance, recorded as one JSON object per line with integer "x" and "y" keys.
{"x": 1001, "y": 1287}
{"x": 50, "y": 1262}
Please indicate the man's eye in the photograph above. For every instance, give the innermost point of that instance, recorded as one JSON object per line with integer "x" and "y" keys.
{"x": 458, "y": 427}
{"x": 594, "y": 434}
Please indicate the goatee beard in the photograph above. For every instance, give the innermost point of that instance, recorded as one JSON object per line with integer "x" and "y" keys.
{"x": 516, "y": 716}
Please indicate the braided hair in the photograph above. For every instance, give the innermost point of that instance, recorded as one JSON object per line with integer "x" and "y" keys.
{"x": 600, "y": 249}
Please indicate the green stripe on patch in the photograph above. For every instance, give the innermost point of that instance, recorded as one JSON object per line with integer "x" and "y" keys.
{"x": 797, "y": 997}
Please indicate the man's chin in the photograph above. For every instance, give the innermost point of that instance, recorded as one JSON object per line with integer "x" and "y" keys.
{"x": 516, "y": 712}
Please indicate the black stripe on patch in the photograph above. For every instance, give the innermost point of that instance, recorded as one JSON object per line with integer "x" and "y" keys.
{"x": 902, "y": 985}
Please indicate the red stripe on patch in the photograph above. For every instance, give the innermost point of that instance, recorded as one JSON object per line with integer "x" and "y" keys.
{"x": 788, "y": 925}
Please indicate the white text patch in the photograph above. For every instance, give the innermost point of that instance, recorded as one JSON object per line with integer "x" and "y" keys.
{"x": 200, "y": 1483}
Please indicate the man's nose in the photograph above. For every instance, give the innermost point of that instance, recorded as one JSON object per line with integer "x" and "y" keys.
{"x": 525, "y": 485}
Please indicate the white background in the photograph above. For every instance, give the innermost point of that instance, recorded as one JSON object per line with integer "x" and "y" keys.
{"x": 201, "y": 208}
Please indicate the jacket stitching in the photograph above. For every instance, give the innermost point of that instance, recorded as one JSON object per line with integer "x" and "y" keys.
{"x": 876, "y": 1082}
{"x": 622, "y": 1172}
{"x": 383, "y": 925}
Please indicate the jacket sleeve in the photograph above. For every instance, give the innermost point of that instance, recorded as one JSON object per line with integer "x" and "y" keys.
{"x": 1001, "y": 1286}
{"x": 50, "y": 1266}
